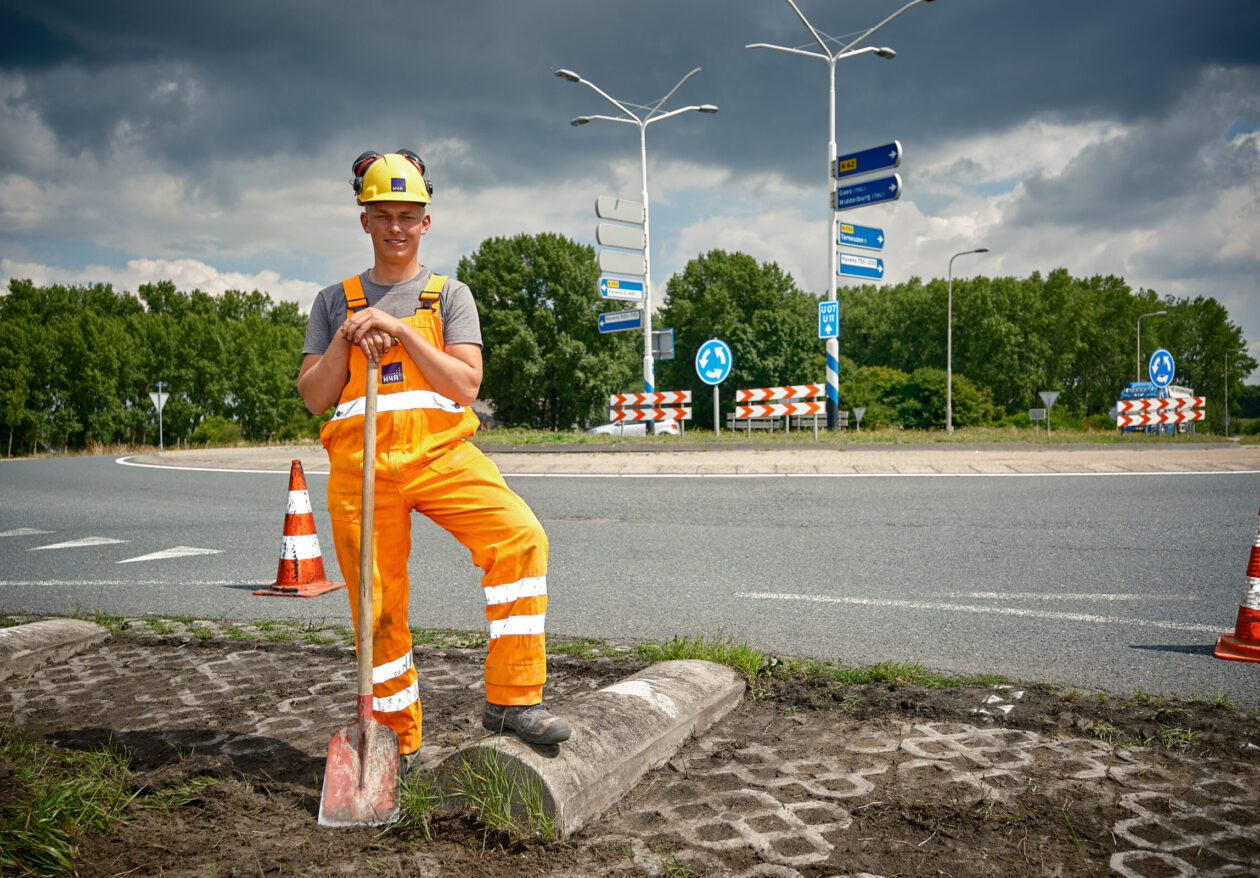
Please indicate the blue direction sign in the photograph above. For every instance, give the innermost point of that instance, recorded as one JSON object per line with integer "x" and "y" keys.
{"x": 621, "y": 288}
{"x": 615, "y": 321}
{"x": 1161, "y": 368}
{"x": 714, "y": 361}
{"x": 828, "y": 319}
{"x": 870, "y": 192}
{"x": 877, "y": 158}
{"x": 868, "y": 267}
{"x": 866, "y": 237}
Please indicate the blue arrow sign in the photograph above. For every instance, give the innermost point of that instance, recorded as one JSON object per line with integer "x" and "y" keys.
{"x": 866, "y": 237}
{"x": 1161, "y": 368}
{"x": 714, "y": 361}
{"x": 870, "y": 192}
{"x": 868, "y": 267}
{"x": 621, "y": 288}
{"x": 877, "y": 158}
{"x": 616, "y": 321}
{"x": 828, "y": 319}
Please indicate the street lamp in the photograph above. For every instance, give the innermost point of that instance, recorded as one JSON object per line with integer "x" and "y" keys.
{"x": 1139, "y": 340}
{"x": 949, "y": 340}
{"x": 845, "y": 51}
{"x": 645, "y": 117}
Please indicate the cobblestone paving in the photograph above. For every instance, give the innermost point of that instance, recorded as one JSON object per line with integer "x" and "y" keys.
{"x": 788, "y": 814}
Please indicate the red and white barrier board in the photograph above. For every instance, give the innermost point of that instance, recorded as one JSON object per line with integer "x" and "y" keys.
{"x": 780, "y": 410}
{"x": 792, "y": 391}
{"x": 1172, "y": 403}
{"x": 653, "y": 414}
{"x": 664, "y": 397}
{"x": 1151, "y": 419}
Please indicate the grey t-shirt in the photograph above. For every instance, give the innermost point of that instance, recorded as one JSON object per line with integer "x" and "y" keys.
{"x": 460, "y": 324}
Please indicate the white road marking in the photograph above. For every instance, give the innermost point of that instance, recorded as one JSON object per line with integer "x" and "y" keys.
{"x": 75, "y": 544}
{"x": 1065, "y": 596}
{"x": 23, "y": 532}
{"x": 990, "y": 611}
{"x": 1236, "y": 472}
{"x": 78, "y": 583}
{"x": 177, "y": 552}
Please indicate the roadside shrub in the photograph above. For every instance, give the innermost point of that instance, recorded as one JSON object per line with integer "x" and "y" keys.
{"x": 216, "y": 430}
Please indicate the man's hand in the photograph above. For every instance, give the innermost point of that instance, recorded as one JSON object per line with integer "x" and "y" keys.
{"x": 373, "y": 332}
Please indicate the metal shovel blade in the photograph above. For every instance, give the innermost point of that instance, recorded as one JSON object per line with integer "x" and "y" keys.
{"x": 361, "y": 777}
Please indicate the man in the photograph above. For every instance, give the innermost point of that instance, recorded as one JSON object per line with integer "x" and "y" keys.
{"x": 424, "y": 331}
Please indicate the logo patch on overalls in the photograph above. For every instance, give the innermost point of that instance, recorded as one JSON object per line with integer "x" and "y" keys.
{"x": 398, "y": 184}
{"x": 391, "y": 373}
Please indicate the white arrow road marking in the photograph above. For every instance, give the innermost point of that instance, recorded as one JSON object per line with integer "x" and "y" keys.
{"x": 74, "y": 544}
{"x": 177, "y": 552}
{"x": 23, "y": 532}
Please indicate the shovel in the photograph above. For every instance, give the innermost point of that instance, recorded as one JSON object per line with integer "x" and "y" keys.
{"x": 361, "y": 778}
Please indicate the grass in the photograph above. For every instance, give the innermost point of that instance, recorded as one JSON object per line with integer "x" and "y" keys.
{"x": 419, "y": 796}
{"x": 697, "y": 433}
{"x": 70, "y": 792}
{"x": 502, "y": 796}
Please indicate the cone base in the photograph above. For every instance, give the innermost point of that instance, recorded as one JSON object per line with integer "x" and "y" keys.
{"x": 1230, "y": 647}
{"x": 302, "y": 590}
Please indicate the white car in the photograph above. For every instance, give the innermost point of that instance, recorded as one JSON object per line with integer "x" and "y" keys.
{"x": 638, "y": 428}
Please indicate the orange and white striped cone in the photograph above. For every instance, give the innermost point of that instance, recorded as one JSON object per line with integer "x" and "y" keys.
{"x": 1244, "y": 644}
{"x": 301, "y": 572}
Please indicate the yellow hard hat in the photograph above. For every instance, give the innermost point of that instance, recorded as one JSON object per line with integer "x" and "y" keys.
{"x": 394, "y": 176}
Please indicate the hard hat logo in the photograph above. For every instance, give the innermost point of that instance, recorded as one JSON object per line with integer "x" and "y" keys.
{"x": 394, "y": 176}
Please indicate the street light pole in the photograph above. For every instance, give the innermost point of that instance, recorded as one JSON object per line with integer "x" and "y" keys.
{"x": 647, "y": 117}
{"x": 845, "y": 51}
{"x": 949, "y": 339}
{"x": 1139, "y": 340}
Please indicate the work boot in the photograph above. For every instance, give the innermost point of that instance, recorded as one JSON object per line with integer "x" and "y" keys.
{"x": 410, "y": 762}
{"x": 532, "y": 723}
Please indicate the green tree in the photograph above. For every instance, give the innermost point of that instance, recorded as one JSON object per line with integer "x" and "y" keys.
{"x": 546, "y": 365}
{"x": 770, "y": 325}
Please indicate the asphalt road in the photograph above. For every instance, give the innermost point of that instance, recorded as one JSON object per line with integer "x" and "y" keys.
{"x": 1094, "y": 580}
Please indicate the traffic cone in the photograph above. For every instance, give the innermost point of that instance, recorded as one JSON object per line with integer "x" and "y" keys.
{"x": 1244, "y": 644}
{"x": 301, "y": 572}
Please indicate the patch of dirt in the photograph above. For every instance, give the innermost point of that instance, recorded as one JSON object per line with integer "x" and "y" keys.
{"x": 811, "y": 779}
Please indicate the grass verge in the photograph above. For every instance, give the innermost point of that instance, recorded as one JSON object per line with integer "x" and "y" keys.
{"x": 54, "y": 795}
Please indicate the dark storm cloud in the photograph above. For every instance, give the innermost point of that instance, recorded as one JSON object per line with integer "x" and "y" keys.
{"x": 196, "y": 83}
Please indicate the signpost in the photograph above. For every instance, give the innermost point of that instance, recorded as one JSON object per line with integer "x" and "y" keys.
{"x": 858, "y": 412}
{"x": 621, "y": 288}
{"x": 610, "y": 207}
{"x": 622, "y": 262}
{"x": 866, "y": 237}
{"x": 1048, "y": 397}
{"x": 616, "y": 321}
{"x": 869, "y": 192}
{"x": 159, "y": 402}
{"x": 828, "y": 319}
{"x": 663, "y": 344}
{"x": 613, "y": 235}
{"x": 713, "y": 365}
{"x": 869, "y": 267}
{"x": 1161, "y": 368}
{"x": 877, "y": 158}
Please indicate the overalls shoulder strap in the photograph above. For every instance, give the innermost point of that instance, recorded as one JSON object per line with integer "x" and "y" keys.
{"x": 432, "y": 291}
{"x": 354, "y": 293}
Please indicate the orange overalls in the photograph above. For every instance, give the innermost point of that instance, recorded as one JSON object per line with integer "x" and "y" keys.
{"x": 424, "y": 463}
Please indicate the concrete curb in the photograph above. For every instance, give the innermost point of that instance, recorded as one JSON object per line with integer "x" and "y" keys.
{"x": 619, "y": 734}
{"x": 24, "y": 648}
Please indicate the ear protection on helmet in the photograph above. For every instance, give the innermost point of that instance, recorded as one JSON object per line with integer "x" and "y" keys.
{"x": 360, "y": 165}
{"x": 364, "y": 161}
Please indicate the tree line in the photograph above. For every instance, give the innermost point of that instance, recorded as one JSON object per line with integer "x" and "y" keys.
{"x": 77, "y": 363}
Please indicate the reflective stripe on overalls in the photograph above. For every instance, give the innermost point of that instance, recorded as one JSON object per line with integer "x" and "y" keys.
{"x": 423, "y": 463}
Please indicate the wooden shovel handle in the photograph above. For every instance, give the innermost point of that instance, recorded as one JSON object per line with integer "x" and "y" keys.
{"x": 366, "y": 522}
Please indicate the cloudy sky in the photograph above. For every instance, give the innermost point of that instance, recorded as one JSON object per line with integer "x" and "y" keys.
{"x": 210, "y": 143}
